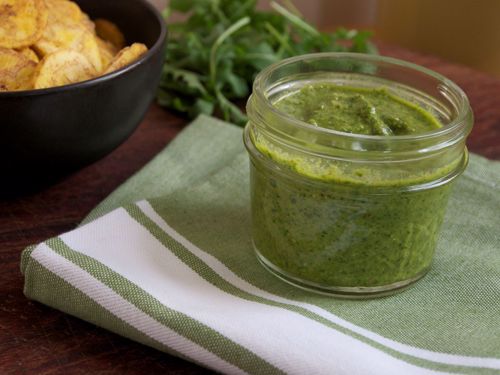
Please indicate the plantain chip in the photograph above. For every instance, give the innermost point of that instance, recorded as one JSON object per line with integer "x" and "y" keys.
{"x": 29, "y": 53}
{"x": 16, "y": 71}
{"x": 107, "y": 30}
{"x": 60, "y": 36}
{"x": 126, "y": 56}
{"x": 88, "y": 23}
{"x": 107, "y": 50}
{"x": 69, "y": 28}
{"x": 72, "y": 48}
{"x": 22, "y": 22}
{"x": 68, "y": 13}
{"x": 63, "y": 67}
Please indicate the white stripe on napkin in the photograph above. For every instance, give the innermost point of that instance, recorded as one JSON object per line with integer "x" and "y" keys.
{"x": 235, "y": 280}
{"x": 287, "y": 340}
{"x": 123, "y": 309}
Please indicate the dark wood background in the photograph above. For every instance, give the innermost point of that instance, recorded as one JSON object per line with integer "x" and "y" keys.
{"x": 35, "y": 339}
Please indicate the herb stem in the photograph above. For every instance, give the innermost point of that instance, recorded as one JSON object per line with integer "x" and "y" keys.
{"x": 292, "y": 8}
{"x": 222, "y": 37}
{"x": 229, "y": 109}
{"x": 297, "y": 21}
{"x": 279, "y": 37}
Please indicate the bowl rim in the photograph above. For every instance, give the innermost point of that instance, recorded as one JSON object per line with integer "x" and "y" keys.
{"x": 158, "y": 45}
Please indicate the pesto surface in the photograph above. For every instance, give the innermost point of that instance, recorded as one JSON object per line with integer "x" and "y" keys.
{"x": 356, "y": 110}
{"x": 322, "y": 227}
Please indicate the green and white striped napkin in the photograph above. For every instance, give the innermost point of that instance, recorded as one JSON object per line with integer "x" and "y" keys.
{"x": 176, "y": 271}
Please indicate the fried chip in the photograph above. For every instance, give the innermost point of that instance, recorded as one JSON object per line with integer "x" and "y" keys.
{"x": 60, "y": 36}
{"x": 16, "y": 71}
{"x": 126, "y": 56}
{"x": 107, "y": 30}
{"x": 69, "y": 13}
{"x": 107, "y": 50}
{"x": 29, "y": 53}
{"x": 61, "y": 68}
{"x": 72, "y": 48}
{"x": 88, "y": 23}
{"x": 22, "y": 22}
{"x": 69, "y": 28}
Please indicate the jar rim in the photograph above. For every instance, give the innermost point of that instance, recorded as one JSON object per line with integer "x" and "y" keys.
{"x": 463, "y": 105}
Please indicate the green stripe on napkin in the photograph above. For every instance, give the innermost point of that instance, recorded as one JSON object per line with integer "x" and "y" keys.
{"x": 176, "y": 271}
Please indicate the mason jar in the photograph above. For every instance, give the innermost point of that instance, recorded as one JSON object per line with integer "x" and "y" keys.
{"x": 348, "y": 214}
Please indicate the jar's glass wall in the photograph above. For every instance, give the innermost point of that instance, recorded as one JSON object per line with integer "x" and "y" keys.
{"x": 348, "y": 213}
{"x": 330, "y": 235}
{"x": 364, "y": 159}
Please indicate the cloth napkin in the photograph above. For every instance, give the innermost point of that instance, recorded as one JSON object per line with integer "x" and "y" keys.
{"x": 176, "y": 271}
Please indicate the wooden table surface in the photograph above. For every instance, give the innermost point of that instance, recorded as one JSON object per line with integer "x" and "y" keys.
{"x": 35, "y": 339}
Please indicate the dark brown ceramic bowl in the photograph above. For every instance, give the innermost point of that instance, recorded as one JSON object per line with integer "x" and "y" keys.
{"x": 50, "y": 132}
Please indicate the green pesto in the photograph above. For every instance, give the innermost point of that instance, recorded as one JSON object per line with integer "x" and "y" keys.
{"x": 356, "y": 110}
{"x": 326, "y": 228}
{"x": 345, "y": 237}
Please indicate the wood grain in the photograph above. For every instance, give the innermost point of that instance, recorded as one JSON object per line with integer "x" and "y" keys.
{"x": 35, "y": 339}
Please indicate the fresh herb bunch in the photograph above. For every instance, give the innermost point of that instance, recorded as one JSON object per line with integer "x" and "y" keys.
{"x": 213, "y": 56}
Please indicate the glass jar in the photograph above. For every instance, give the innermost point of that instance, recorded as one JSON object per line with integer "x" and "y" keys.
{"x": 348, "y": 214}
